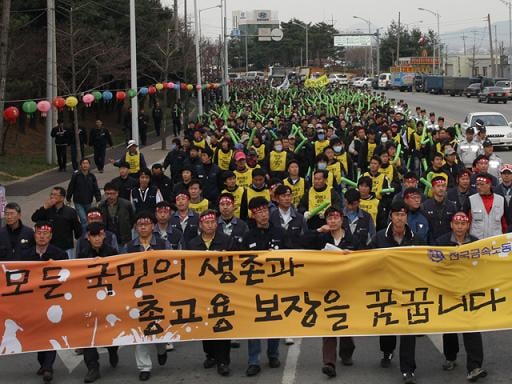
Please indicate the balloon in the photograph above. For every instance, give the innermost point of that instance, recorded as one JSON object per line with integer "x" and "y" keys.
{"x": 183, "y": 86}
{"x": 44, "y": 107}
{"x": 59, "y": 103}
{"x": 199, "y": 87}
{"x": 107, "y": 95}
{"x": 177, "y": 86}
{"x": 71, "y": 102}
{"x": 143, "y": 91}
{"x": 29, "y": 107}
{"x": 159, "y": 86}
{"x": 216, "y": 85}
{"x": 88, "y": 99}
{"x": 132, "y": 93}
{"x": 190, "y": 87}
{"x": 170, "y": 85}
{"x": 97, "y": 95}
{"x": 120, "y": 96}
{"x": 11, "y": 114}
{"x": 209, "y": 85}
{"x": 151, "y": 90}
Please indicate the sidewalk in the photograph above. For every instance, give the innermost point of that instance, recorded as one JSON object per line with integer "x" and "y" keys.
{"x": 31, "y": 193}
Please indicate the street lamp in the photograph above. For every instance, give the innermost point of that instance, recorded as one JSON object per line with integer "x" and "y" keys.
{"x": 371, "y": 45}
{"x": 306, "y": 27}
{"x": 436, "y": 14}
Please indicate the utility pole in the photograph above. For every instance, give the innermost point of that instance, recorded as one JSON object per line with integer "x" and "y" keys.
{"x": 378, "y": 50}
{"x": 398, "y": 42}
{"x": 464, "y": 40}
{"x": 50, "y": 29}
{"x": 497, "y": 49}
{"x": 133, "y": 70}
{"x": 198, "y": 62}
{"x": 493, "y": 68}
{"x": 226, "y": 54}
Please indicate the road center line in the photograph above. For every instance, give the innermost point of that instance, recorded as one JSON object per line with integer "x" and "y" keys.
{"x": 290, "y": 366}
{"x": 437, "y": 340}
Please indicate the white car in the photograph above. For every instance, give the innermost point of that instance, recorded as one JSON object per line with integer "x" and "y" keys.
{"x": 498, "y": 129}
{"x": 364, "y": 82}
{"x": 338, "y": 78}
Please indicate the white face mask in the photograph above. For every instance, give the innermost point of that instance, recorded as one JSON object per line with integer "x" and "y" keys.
{"x": 337, "y": 148}
{"x": 322, "y": 166}
{"x": 383, "y": 139}
{"x": 278, "y": 148}
{"x": 173, "y": 147}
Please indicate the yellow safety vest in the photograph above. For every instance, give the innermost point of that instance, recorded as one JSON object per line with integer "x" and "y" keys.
{"x": 377, "y": 184}
{"x": 335, "y": 170}
{"x": 244, "y": 179}
{"x": 371, "y": 206}
{"x": 238, "y": 194}
{"x": 315, "y": 198}
{"x": 251, "y": 194}
{"x": 200, "y": 144}
{"x": 277, "y": 161}
{"x": 134, "y": 161}
{"x": 371, "y": 151}
{"x": 199, "y": 207}
{"x": 388, "y": 172}
{"x": 320, "y": 146}
{"x": 260, "y": 152}
{"x": 343, "y": 159}
{"x": 224, "y": 159}
{"x": 298, "y": 189}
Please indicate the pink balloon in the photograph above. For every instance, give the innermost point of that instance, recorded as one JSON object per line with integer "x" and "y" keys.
{"x": 198, "y": 87}
{"x": 170, "y": 85}
{"x": 88, "y": 99}
{"x": 44, "y": 106}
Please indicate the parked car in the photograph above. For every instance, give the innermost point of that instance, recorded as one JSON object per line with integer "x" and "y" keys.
{"x": 495, "y": 94}
{"x": 499, "y": 130}
{"x": 507, "y": 87}
{"x": 338, "y": 78}
{"x": 235, "y": 76}
{"x": 255, "y": 76}
{"x": 384, "y": 80}
{"x": 363, "y": 82}
{"x": 354, "y": 80}
{"x": 472, "y": 90}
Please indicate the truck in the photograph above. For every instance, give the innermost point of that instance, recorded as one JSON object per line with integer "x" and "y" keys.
{"x": 403, "y": 81}
{"x": 434, "y": 84}
{"x": 455, "y": 85}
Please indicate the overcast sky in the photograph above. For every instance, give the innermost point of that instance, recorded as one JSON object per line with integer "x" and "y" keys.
{"x": 455, "y": 14}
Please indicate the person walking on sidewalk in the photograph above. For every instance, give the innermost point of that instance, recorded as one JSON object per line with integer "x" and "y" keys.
{"x": 99, "y": 138}
{"x": 61, "y": 143}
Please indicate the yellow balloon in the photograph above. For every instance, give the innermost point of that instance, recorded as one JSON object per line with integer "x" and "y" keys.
{"x": 159, "y": 86}
{"x": 71, "y": 102}
{"x": 190, "y": 87}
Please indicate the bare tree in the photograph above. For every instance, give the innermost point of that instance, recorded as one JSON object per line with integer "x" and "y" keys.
{"x": 4, "y": 39}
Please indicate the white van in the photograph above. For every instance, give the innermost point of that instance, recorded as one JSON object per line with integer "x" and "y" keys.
{"x": 255, "y": 75}
{"x": 384, "y": 80}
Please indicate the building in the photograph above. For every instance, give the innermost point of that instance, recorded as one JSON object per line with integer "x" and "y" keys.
{"x": 258, "y": 22}
{"x": 478, "y": 65}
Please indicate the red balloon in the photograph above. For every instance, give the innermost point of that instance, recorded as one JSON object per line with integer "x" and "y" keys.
{"x": 183, "y": 86}
{"x": 151, "y": 90}
{"x": 59, "y": 103}
{"x": 120, "y": 95}
{"x": 11, "y": 114}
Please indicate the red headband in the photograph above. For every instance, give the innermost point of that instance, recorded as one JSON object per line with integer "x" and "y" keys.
{"x": 209, "y": 216}
{"x": 259, "y": 209}
{"x": 411, "y": 180}
{"x": 461, "y": 216}
{"x": 225, "y": 200}
{"x": 439, "y": 182}
{"x": 164, "y": 208}
{"x": 483, "y": 161}
{"x": 182, "y": 195}
{"x": 144, "y": 220}
{"x": 483, "y": 180}
{"x": 44, "y": 228}
{"x": 94, "y": 215}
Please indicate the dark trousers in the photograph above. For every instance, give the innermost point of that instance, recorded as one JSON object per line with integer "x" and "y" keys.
{"x": 46, "y": 359}
{"x": 176, "y": 127}
{"x": 472, "y": 344}
{"x": 91, "y": 356}
{"x": 61, "y": 155}
{"x": 157, "y": 124}
{"x": 143, "y": 135}
{"x": 75, "y": 159}
{"x": 218, "y": 350}
{"x": 387, "y": 344}
{"x": 407, "y": 351}
{"x": 99, "y": 158}
{"x": 329, "y": 348}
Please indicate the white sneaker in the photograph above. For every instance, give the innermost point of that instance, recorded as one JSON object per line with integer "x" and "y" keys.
{"x": 289, "y": 341}
{"x": 169, "y": 347}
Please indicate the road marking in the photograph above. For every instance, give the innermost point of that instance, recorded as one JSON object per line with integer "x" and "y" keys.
{"x": 290, "y": 366}
{"x": 437, "y": 340}
{"x": 70, "y": 359}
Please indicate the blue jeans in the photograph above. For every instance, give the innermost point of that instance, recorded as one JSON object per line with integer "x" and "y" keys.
{"x": 81, "y": 210}
{"x": 255, "y": 350}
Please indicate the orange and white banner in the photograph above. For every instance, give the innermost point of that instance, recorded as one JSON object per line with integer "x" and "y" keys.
{"x": 165, "y": 296}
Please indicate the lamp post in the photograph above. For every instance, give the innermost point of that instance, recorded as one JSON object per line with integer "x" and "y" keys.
{"x": 371, "y": 45}
{"x": 198, "y": 62}
{"x": 133, "y": 67}
{"x": 306, "y": 28}
{"x": 509, "y": 5}
{"x": 436, "y": 14}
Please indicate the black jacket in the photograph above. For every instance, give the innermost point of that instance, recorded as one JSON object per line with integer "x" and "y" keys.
{"x": 125, "y": 186}
{"x": 317, "y": 240}
{"x": 297, "y": 225}
{"x": 122, "y": 222}
{"x": 157, "y": 244}
{"x": 82, "y": 243}
{"x": 52, "y": 253}
{"x": 439, "y": 216}
{"x": 100, "y": 138}
{"x": 83, "y": 188}
{"x": 446, "y": 240}
{"x": 144, "y": 201}
{"x": 164, "y": 184}
{"x": 264, "y": 239}
{"x": 192, "y": 227}
{"x": 211, "y": 181}
{"x": 88, "y": 252}
{"x": 461, "y": 200}
{"x": 237, "y": 230}
{"x": 65, "y": 224}
{"x": 176, "y": 160}
{"x": 220, "y": 242}
{"x": 384, "y": 238}
{"x": 12, "y": 243}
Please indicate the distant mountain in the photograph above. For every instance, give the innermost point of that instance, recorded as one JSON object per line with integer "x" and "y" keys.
{"x": 477, "y": 35}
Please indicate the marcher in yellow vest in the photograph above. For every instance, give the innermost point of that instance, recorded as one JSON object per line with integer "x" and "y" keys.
{"x": 333, "y": 165}
{"x": 258, "y": 188}
{"x": 197, "y": 203}
{"x": 368, "y": 202}
{"x": 260, "y": 148}
{"x": 295, "y": 182}
{"x": 133, "y": 157}
{"x": 277, "y": 160}
{"x": 235, "y": 190}
{"x": 321, "y": 142}
{"x": 386, "y": 167}
{"x": 224, "y": 155}
{"x": 436, "y": 170}
{"x": 199, "y": 140}
{"x": 379, "y": 180}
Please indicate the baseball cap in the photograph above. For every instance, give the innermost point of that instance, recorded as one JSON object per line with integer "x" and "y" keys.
{"x": 131, "y": 143}
{"x": 487, "y": 143}
{"x": 449, "y": 151}
{"x": 506, "y": 168}
{"x": 240, "y": 156}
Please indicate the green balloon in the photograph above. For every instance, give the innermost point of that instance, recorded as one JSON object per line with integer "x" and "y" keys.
{"x": 132, "y": 93}
{"x": 97, "y": 95}
{"x": 29, "y": 107}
